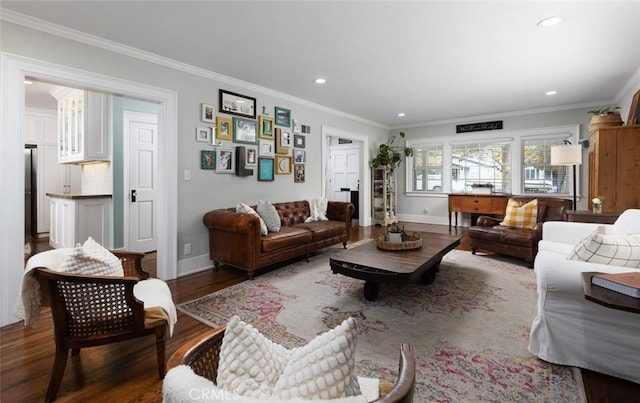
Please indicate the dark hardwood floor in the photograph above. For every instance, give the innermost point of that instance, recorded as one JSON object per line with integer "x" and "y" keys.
{"x": 126, "y": 371}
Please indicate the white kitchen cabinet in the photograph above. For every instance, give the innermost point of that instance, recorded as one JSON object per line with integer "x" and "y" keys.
{"x": 52, "y": 177}
{"x": 83, "y": 132}
{"x": 40, "y": 127}
{"x": 75, "y": 218}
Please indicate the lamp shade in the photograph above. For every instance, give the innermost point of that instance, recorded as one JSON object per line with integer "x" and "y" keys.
{"x": 566, "y": 154}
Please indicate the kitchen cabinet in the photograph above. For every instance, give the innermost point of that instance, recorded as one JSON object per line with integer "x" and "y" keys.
{"x": 83, "y": 132}
{"x": 74, "y": 218}
{"x": 40, "y": 127}
{"x": 614, "y": 168}
{"x": 383, "y": 197}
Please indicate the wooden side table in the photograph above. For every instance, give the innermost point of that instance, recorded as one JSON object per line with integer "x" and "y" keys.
{"x": 606, "y": 297}
{"x": 588, "y": 216}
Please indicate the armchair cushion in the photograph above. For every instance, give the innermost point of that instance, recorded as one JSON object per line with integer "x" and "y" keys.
{"x": 253, "y": 366}
{"x": 92, "y": 258}
{"x": 520, "y": 215}
{"x": 608, "y": 247}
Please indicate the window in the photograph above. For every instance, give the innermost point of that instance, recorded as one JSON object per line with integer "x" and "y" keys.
{"x": 427, "y": 169}
{"x": 481, "y": 163}
{"x": 538, "y": 174}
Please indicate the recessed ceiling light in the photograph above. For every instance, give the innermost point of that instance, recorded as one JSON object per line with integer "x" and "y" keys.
{"x": 401, "y": 114}
{"x": 551, "y": 93}
{"x": 28, "y": 82}
{"x": 320, "y": 80}
{"x": 550, "y": 21}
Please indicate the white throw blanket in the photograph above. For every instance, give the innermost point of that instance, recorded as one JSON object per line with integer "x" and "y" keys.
{"x": 153, "y": 292}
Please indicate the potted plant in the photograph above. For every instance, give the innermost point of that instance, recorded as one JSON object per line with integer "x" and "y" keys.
{"x": 482, "y": 188}
{"x": 604, "y": 117}
{"x": 395, "y": 234}
{"x": 391, "y": 155}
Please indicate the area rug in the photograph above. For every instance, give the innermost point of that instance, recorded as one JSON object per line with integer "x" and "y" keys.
{"x": 469, "y": 329}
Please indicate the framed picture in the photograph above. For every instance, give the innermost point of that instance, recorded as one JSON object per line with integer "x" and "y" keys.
{"x": 284, "y": 164}
{"x": 298, "y": 173}
{"x": 224, "y": 130}
{"x": 266, "y": 148}
{"x": 295, "y": 126}
{"x": 225, "y": 161}
{"x": 283, "y": 141}
{"x": 203, "y": 134}
{"x": 634, "y": 111}
{"x": 237, "y": 104}
{"x": 299, "y": 141}
{"x": 299, "y": 156}
{"x": 207, "y": 159}
{"x": 266, "y": 127}
{"x": 251, "y": 157}
{"x": 245, "y": 131}
{"x": 265, "y": 169}
{"x": 206, "y": 115}
{"x": 283, "y": 116}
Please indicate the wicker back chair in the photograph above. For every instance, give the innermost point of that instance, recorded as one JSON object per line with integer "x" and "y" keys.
{"x": 202, "y": 353}
{"x": 95, "y": 310}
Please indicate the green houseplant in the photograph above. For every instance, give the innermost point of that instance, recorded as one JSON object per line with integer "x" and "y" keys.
{"x": 391, "y": 155}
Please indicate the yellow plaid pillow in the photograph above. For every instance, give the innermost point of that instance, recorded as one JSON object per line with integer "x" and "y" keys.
{"x": 519, "y": 215}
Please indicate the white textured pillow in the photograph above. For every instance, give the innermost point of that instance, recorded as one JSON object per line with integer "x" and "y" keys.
{"x": 269, "y": 215}
{"x": 249, "y": 363}
{"x": 92, "y": 258}
{"x": 324, "y": 368}
{"x": 608, "y": 247}
{"x": 245, "y": 208}
{"x": 253, "y": 366}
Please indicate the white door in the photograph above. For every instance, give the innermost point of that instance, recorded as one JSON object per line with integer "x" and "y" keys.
{"x": 141, "y": 133}
{"x": 345, "y": 171}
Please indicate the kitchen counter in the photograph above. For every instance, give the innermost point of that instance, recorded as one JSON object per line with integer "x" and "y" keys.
{"x": 78, "y": 196}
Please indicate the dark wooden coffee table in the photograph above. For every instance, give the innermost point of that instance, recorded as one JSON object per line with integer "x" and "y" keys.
{"x": 375, "y": 266}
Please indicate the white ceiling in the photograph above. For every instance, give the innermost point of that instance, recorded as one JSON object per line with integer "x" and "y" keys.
{"x": 435, "y": 61}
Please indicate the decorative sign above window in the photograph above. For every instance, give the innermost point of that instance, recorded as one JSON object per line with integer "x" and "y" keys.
{"x": 478, "y": 127}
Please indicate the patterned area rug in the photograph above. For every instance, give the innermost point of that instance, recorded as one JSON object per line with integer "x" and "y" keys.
{"x": 469, "y": 330}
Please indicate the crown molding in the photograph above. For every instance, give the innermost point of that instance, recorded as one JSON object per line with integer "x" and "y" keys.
{"x": 92, "y": 40}
{"x": 630, "y": 87}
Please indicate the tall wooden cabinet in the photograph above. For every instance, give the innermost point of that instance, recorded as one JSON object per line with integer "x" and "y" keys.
{"x": 383, "y": 196}
{"x": 614, "y": 167}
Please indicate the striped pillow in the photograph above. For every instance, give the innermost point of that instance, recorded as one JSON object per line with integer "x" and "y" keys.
{"x": 605, "y": 246}
{"x": 519, "y": 215}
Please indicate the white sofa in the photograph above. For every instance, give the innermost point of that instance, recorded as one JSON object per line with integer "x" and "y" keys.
{"x": 570, "y": 330}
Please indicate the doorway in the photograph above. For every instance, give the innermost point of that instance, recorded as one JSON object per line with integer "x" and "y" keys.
{"x": 14, "y": 70}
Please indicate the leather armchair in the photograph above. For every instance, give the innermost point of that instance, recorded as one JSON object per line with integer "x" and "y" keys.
{"x": 487, "y": 234}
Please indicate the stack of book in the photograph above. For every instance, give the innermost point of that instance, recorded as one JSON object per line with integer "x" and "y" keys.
{"x": 624, "y": 283}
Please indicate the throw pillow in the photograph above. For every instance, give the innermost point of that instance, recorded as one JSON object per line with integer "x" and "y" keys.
{"x": 269, "y": 215}
{"x": 519, "y": 215}
{"x": 253, "y": 366}
{"x": 605, "y": 246}
{"x": 245, "y": 208}
{"x": 324, "y": 368}
{"x": 317, "y": 209}
{"x": 93, "y": 259}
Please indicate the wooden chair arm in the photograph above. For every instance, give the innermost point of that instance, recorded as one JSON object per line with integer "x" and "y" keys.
{"x": 487, "y": 221}
{"x": 101, "y": 296}
{"x": 402, "y": 391}
{"x": 201, "y": 354}
{"x": 131, "y": 264}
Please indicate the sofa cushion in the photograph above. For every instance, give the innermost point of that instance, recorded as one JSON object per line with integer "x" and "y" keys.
{"x": 245, "y": 208}
{"x": 508, "y": 236}
{"x": 521, "y": 215}
{"x": 607, "y": 247}
{"x": 628, "y": 222}
{"x": 324, "y": 229}
{"x": 285, "y": 238}
{"x": 269, "y": 215}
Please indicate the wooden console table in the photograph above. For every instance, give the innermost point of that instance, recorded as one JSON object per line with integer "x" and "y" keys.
{"x": 476, "y": 204}
{"x": 588, "y": 216}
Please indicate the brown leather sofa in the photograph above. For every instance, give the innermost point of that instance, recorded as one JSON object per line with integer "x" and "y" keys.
{"x": 487, "y": 234}
{"x": 235, "y": 239}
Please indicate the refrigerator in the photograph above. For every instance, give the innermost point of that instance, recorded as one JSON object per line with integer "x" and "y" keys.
{"x": 30, "y": 191}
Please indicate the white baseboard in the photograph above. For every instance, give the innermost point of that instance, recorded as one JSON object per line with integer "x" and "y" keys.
{"x": 194, "y": 264}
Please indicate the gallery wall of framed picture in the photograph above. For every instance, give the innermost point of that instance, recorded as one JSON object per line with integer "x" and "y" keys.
{"x": 275, "y": 143}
